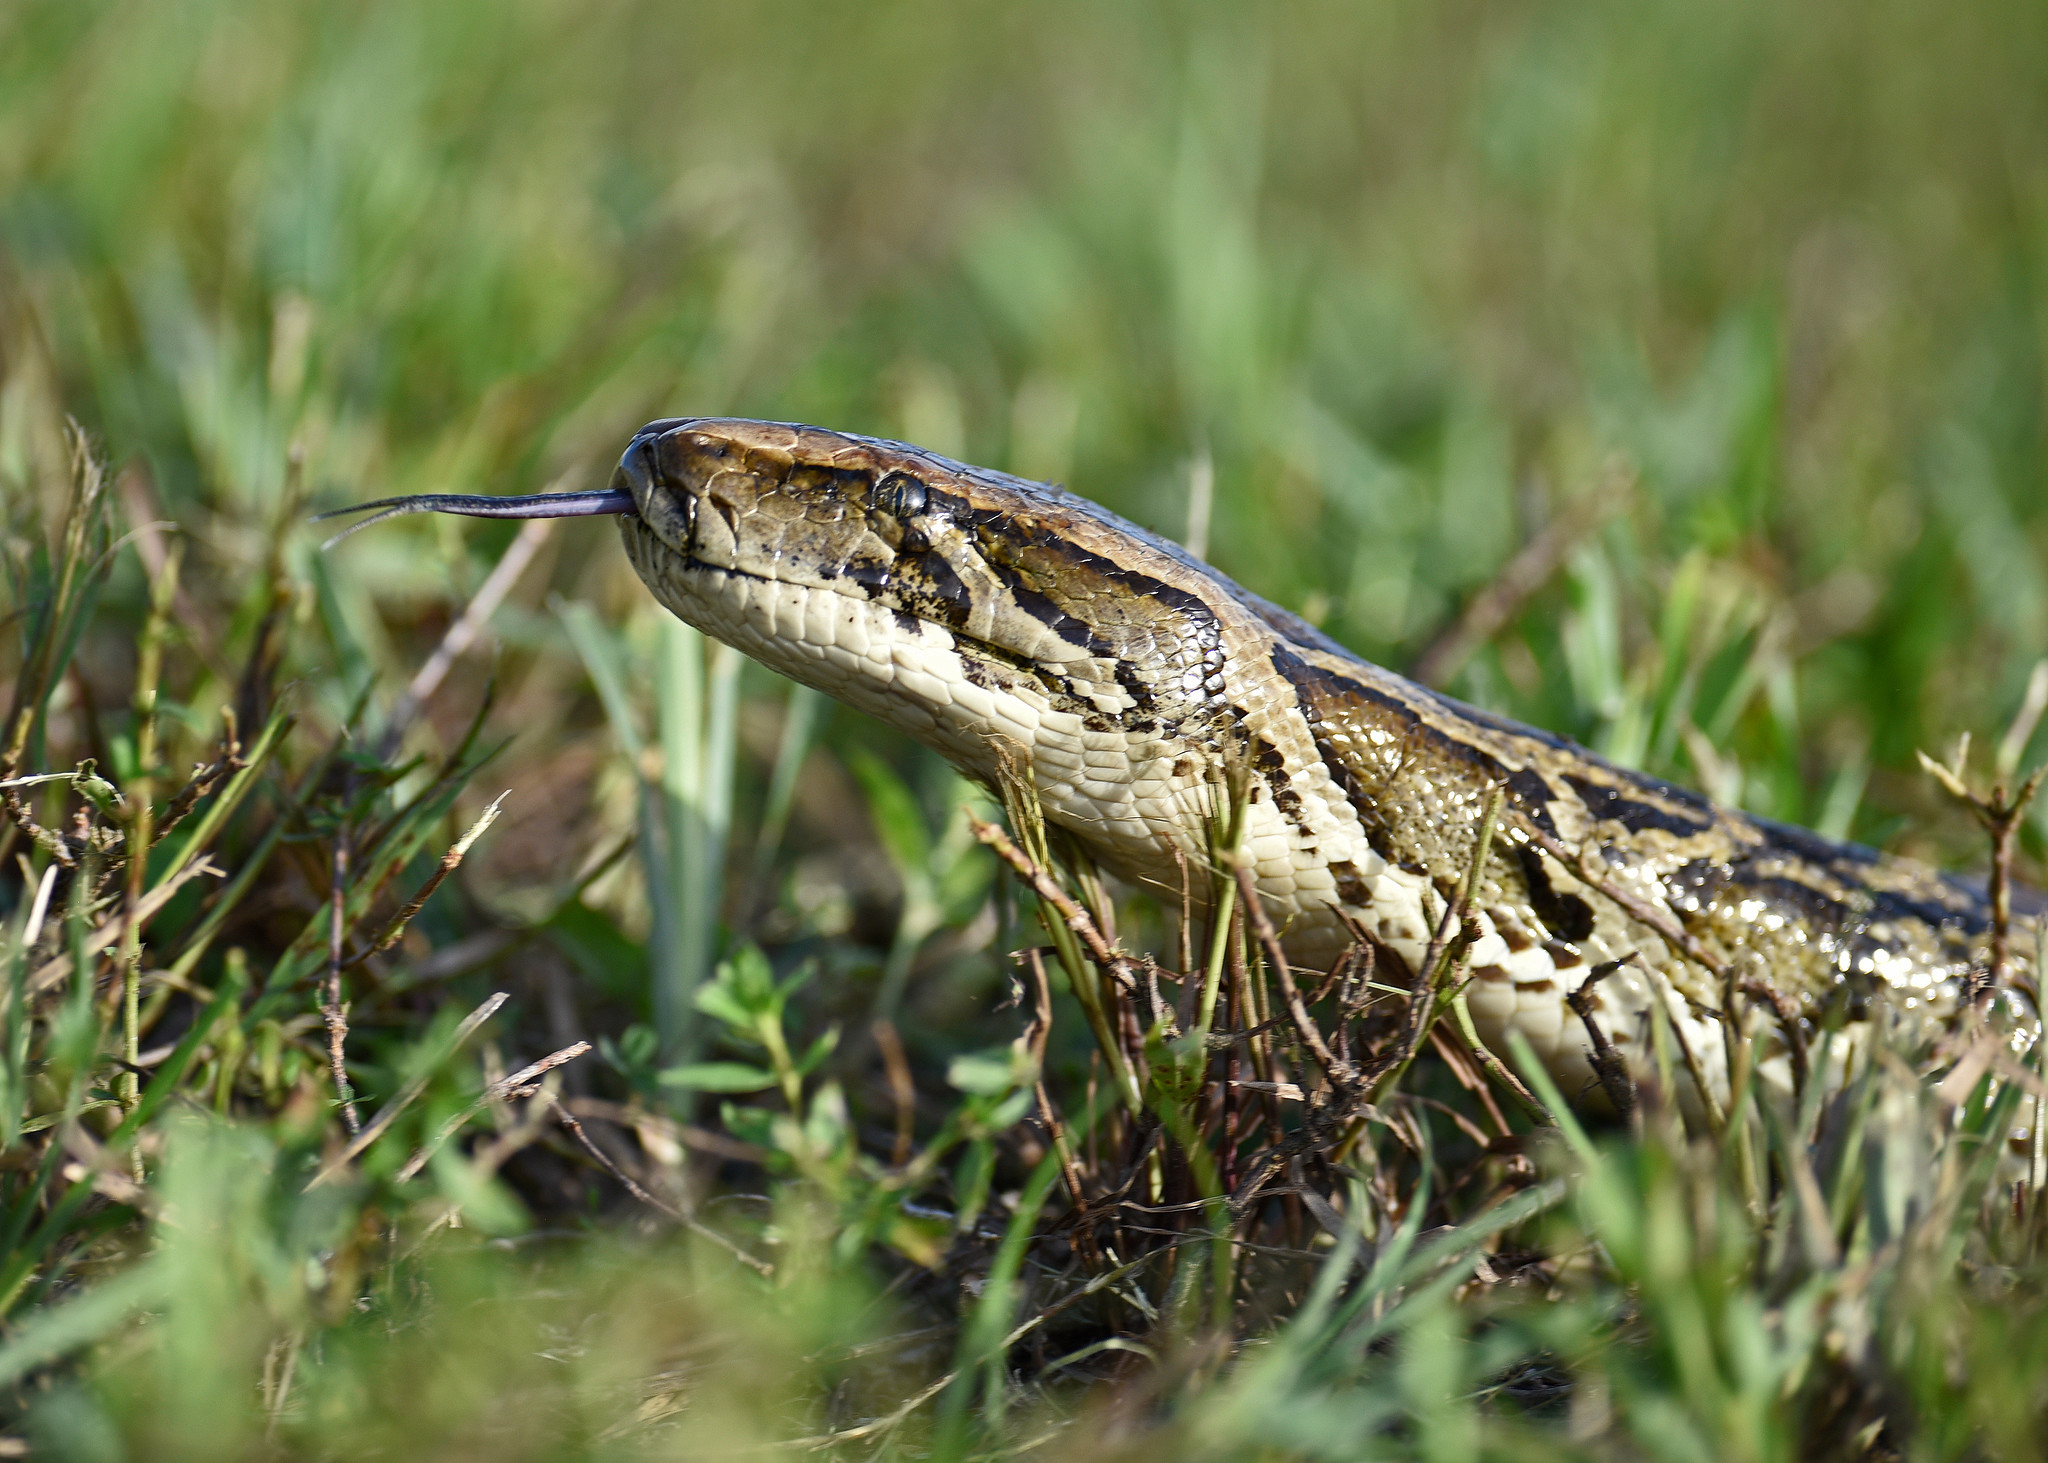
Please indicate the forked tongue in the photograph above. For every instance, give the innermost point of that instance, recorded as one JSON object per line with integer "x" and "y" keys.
{"x": 476, "y": 505}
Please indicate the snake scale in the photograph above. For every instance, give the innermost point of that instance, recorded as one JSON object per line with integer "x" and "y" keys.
{"x": 982, "y": 613}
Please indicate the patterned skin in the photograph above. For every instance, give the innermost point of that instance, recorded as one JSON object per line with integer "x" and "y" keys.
{"x": 979, "y": 612}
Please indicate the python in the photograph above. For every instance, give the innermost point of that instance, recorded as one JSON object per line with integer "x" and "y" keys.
{"x": 989, "y": 617}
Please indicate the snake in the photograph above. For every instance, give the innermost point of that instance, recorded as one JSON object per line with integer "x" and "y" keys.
{"x": 1002, "y": 621}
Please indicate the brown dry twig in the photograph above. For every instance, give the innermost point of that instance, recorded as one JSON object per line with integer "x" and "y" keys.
{"x": 1120, "y": 967}
{"x": 519, "y": 1084}
{"x": 1999, "y": 810}
{"x": 638, "y": 1191}
{"x": 450, "y": 862}
{"x": 1786, "y": 1010}
{"x": 1608, "y": 1064}
{"x": 206, "y": 776}
{"x": 404, "y": 1097}
{"x": 1667, "y": 928}
{"x": 901, "y": 1090}
{"x": 332, "y": 1012}
{"x": 1036, "y": 1035}
{"x": 1341, "y": 1073}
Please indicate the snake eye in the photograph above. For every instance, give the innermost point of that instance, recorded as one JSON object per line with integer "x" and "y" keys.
{"x": 900, "y": 495}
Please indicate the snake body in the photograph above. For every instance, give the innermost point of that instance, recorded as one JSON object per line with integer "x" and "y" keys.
{"x": 982, "y": 613}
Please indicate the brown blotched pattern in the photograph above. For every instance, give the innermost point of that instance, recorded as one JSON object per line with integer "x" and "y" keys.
{"x": 978, "y": 611}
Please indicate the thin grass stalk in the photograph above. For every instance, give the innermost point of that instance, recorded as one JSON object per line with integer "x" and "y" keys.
{"x": 53, "y": 634}
{"x": 1494, "y": 1067}
{"x": 1306, "y": 1031}
{"x": 57, "y": 623}
{"x": 1120, "y": 1015}
{"x": 203, "y": 832}
{"x": 1669, "y": 1119}
{"x": 982, "y": 1339}
{"x": 679, "y": 731}
{"x": 14, "y": 1227}
{"x": 333, "y": 1009}
{"x": 1742, "y": 1149}
{"x": 454, "y": 771}
{"x": 1260, "y": 1046}
{"x": 247, "y": 767}
{"x": 988, "y": 1335}
{"x": 81, "y": 1017}
{"x": 74, "y": 1040}
{"x": 723, "y": 666}
{"x": 1215, "y": 1206}
{"x": 17, "y": 1032}
{"x": 602, "y": 658}
{"x": 1086, "y": 982}
{"x": 1844, "y": 1182}
{"x": 23, "y": 1259}
{"x": 142, "y": 813}
{"x": 401, "y": 837}
{"x": 1226, "y": 840}
{"x": 1025, "y": 815}
{"x": 1439, "y": 979}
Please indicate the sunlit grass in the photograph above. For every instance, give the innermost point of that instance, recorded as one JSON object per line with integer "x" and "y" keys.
{"x": 1745, "y": 296}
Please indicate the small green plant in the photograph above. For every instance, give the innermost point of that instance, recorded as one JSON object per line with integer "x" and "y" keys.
{"x": 811, "y": 1137}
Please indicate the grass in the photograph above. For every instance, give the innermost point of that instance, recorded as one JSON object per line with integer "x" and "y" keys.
{"x": 1709, "y": 342}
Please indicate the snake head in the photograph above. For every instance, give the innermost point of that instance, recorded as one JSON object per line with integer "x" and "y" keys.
{"x": 985, "y": 615}
{"x": 952, "y": 601}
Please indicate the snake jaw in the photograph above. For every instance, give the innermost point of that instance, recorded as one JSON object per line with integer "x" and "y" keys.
{"x": 965, "y": 550}
{"x": 958, "y": 605}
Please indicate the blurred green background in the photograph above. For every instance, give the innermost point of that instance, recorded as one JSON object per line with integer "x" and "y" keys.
{"x": 1741, "y": 307}
{"x": 1411, "y": 275}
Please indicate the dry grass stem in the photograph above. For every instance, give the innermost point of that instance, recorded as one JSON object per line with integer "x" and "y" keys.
{"x": 2000, "y": 810}
{"x": 1609, "y": 1066}
{"x": 332, "y": 1011}
{"x": 1340, "y": 1072}
{"x": 450, "y": 862}
{"x": 363, "y": 1137}
{"x": 1121, "y": 968}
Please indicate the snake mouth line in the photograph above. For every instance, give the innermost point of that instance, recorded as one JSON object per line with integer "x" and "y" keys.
{"x": 963, "y": 642}
{"x": 600, "y": 503}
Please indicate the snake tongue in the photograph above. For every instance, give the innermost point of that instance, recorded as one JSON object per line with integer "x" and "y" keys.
{"x": 476, "y": 505}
